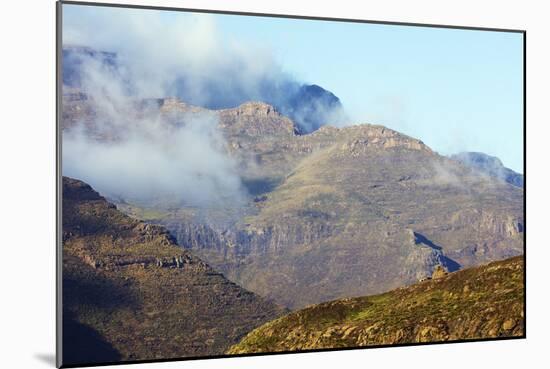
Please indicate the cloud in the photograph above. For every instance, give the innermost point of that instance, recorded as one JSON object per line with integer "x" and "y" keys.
{"x": 137, "y": 154}
{"x": 449, "y": 173}
{"x": 446, "y": 174}
{"x": 187, "y": 55}
{"x": 121, "y": 56}
{"x": 182, "y": 164}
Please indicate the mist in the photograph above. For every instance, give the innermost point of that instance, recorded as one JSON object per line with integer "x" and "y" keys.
{"x": 120, "y": 57}
{"x": 137, "y": 154}
{"x": 186, "y": 55}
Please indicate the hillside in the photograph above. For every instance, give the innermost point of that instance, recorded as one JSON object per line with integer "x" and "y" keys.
{"x": 372, "y": 211}
{"x": 310, "y": 106}
{"x": 480, "y": 302}
{"x": 131, "y": 293}
{"x": 338, "y": 212}
{"x": 354, "y": 211}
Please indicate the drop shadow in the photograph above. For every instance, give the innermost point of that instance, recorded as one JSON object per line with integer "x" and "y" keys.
{"x": 48, "y": 359}
{"x": 420, "y": 238}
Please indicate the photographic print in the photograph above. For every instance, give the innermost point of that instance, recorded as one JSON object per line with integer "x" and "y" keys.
{"x": 235, "y": 184}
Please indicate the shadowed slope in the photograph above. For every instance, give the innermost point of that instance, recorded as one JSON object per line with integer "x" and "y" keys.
{"x": 133, "y": 293}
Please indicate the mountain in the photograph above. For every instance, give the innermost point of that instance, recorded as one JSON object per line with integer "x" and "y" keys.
{"x": 489, "y": 165}
{"x": 335, "y": 213}
{"x": 480, "y": 302}
{"x": 310, "y": 106}
{"x": 131, "y": 293}
{"x": 361, "y": 210}
{"x": 349, "y": 212}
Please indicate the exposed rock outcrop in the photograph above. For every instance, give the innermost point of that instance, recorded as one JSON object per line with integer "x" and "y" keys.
{"x": 256, "y": 119}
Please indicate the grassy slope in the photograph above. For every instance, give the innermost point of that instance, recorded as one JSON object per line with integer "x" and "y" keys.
{"x": 480, "y": 302}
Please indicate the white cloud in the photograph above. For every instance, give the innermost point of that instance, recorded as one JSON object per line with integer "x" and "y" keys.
{"x": 144, "y": 156}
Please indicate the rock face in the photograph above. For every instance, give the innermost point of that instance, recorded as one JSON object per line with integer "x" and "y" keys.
{"x": 341, "y": 211}
{"x": 481, "y": 302}
{"x": 489, "y": 165}
{"x": 131, "y": 293}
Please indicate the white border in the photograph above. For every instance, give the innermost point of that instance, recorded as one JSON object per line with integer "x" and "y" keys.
{"x": 28, "y": 181}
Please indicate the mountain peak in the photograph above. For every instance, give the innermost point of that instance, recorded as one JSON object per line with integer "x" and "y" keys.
{"x": 308, "y": 106}
{"x": 255, "y": 118}
{"x": 175, "y": 104}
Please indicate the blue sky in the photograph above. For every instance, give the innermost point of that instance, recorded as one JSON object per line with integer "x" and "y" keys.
{"x": 457, "y": 90}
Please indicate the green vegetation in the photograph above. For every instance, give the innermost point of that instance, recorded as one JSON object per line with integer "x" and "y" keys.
{"x": 480, "y": 302}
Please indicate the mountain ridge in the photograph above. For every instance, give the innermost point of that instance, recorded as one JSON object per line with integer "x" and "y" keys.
{"x": 309, "y": 105}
